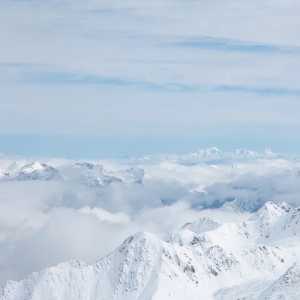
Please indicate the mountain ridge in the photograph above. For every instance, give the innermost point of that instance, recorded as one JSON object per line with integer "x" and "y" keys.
{"x": 181, "y": 263}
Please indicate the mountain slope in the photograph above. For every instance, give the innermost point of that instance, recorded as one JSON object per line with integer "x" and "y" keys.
{"x": 182, "y": 264}
{"x": 32, "y": 171}
{"x": 88, "y": 174}
{"x": 287, "y": 287}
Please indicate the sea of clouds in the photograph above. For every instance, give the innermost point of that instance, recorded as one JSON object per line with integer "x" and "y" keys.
{"x": 43, "y": 223}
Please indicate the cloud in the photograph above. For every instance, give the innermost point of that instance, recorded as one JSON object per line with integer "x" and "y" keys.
{"x": 105, "y": 215}
{"x": 155, "y": 70}
{"x": 171, "y": 63}
{"x": 46, "y": 222}
{"x": 227, "y": 45}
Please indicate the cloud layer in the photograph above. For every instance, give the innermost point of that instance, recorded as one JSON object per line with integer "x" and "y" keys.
{"x": 138, "y": 68}
{"x": 47, "y": 222}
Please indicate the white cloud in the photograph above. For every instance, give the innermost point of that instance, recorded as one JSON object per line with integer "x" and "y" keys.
{"x": 44, "y": 223}
{"x": 105, "y": 215}
{"x": 169, "y": 68}
{"x": 139, "y": 54}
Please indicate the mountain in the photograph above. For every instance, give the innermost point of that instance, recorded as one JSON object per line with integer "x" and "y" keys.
{"x": 205, "y": 153}
{"x": 88, "y": 174}
{"x": 252, "y": 203}
{"x": 214, "y": 154}
{"x": 204, "y": 260}
{"x": 32, "y": 171}
{"x": 246, "y": 153}
{"x": 202, "y": 225}
{"x": 286, "y": 287}
{"x": 132, "y": 175}
{"x": 37, "y": 171}
{"x": 91, "y": 175}
{"x": 267, "y": 153}
{"x": 239, "y": 205}
{"x": 94, "y": 175}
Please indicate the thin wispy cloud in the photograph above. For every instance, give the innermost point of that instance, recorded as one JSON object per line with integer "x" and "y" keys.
{"x": 227, "y": 45}
{"x": 137, "y": 67}
{"x": 61, "y": 78}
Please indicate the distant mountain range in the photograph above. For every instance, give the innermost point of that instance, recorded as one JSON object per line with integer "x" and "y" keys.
{"x": 242, "y": 196}
{"x": 92, "y": 175}
{"x": 214, "y": 153}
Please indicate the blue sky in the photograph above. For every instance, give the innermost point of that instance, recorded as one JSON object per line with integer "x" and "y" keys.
{"x": 283, "y": 139}
{"x": 112, "y": 78}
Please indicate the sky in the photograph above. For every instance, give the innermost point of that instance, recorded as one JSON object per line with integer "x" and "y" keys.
{"x": 127, "y": 78}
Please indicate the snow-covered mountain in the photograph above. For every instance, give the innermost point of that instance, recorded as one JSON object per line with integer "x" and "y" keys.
{"x": 204, "y": 153}
{"x": 92, "y": 175}
{"x": 203, "y": 260}
{"x": 201, "y": 225}
{"x": 88, "y": 174}
{"x": 214, "y": 153}
{"x": 222, "y": 185}
{"x": 37, "y": 171}
{"x": 286, "y": 287}
{"x": 32, "y": 171}
{"x": 239, "y": 153}
{"x": 267, "y": 153}
{"x": 132, "y": 174}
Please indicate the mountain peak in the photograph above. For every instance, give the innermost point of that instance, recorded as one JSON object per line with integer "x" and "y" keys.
{"x": 268, "y": 152}
{"x": 210, "y": 151}
{"x": 37, "y": 171}
{"x": 33, "y": 166}
{"x": 201, "y": 225}
{"x": 89, "y": 166}
{"x": 246, "y": 153}
{"x": 176, "y": 266}
{"x": 272, "y": 209}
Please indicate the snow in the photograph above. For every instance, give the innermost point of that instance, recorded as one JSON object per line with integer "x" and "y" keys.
{"x": 247, "y": 291}
{"x": 203, "y": 260}
{"x": 88, "y": 174}
{"x": 216, "y": 153}
{"x": 202, "y": 225}
{"x": 32, "y": 171}
{"x": 286, "y": 287}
